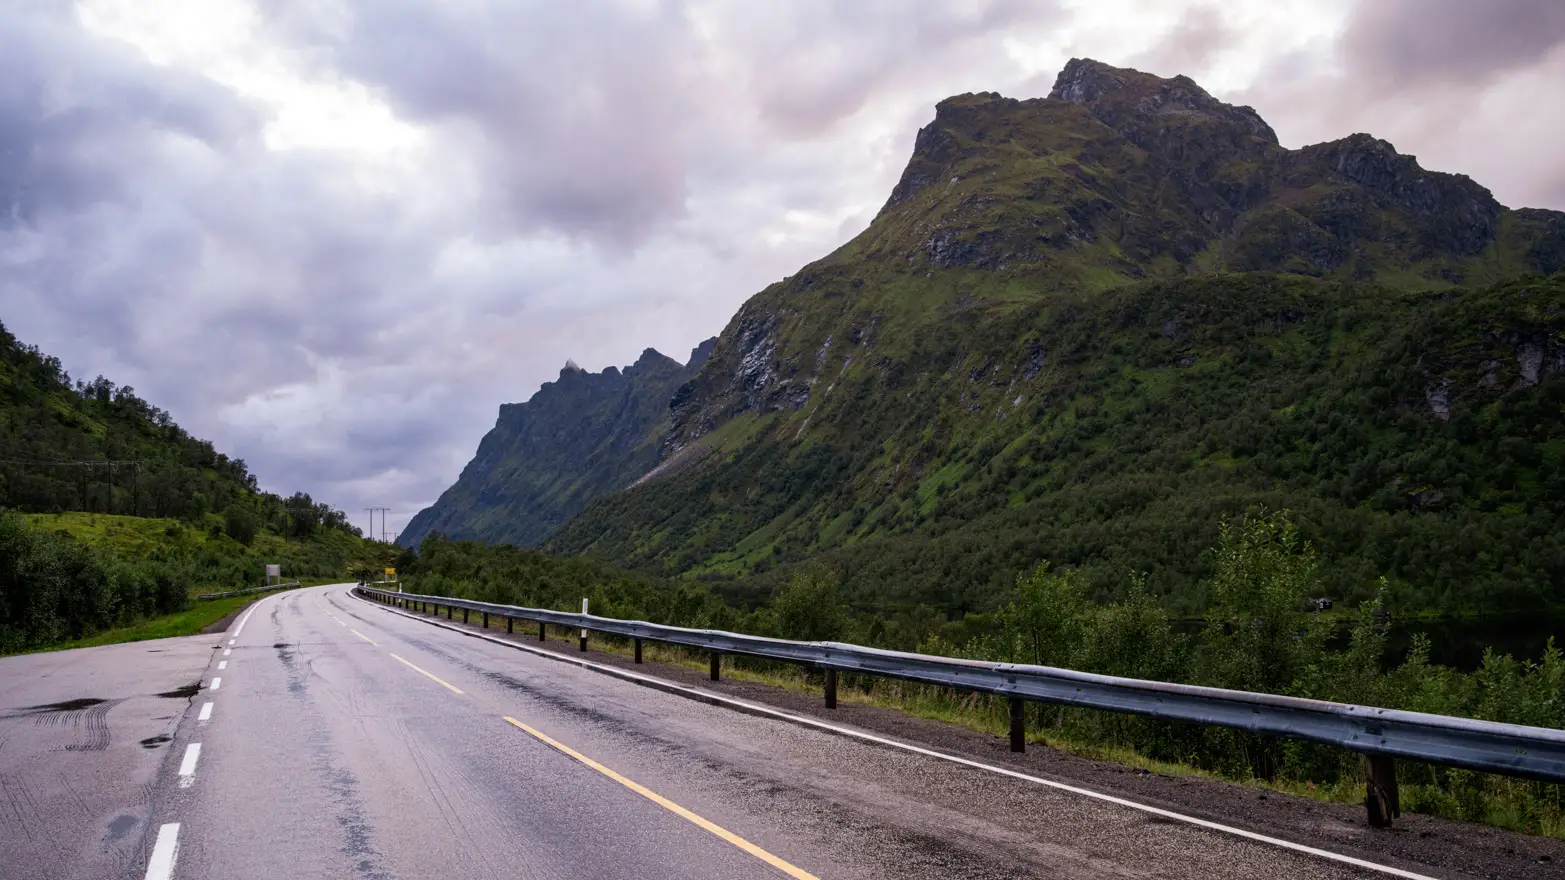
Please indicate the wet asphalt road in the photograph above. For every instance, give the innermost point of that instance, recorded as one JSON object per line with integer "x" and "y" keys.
{"x": 346, "y": 740}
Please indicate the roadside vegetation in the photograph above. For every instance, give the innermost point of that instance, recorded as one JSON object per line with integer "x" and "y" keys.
{"x": 80, "y": 579}
{"x": 1258, "y": 636}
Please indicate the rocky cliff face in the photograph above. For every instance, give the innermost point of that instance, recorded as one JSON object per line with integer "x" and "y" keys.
{"x": 579, "y": 437}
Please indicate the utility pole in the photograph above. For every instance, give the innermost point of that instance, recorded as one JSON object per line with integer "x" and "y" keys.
{"x": 371, "y": 533}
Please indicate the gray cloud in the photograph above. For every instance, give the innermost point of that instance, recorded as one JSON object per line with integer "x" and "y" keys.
{"x": 593, "y": 178}
{"x": 1191, "y": 46}
{"x": 1415, "y": 43}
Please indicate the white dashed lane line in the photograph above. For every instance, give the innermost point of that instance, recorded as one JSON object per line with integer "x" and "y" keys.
{"x": 217, "y": 683}
{"x": 164, "y": 851}
{"x": 187, "y": 767}
{"x": 206, "y": 712}
{"x": 222, "y": 664}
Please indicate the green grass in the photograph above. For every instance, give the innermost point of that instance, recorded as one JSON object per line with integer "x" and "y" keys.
{"x": 193, "y": 620}
{"x": 199, "y": 616}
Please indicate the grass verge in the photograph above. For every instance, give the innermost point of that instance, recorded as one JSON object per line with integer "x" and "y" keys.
{"x": 189, "y": 622}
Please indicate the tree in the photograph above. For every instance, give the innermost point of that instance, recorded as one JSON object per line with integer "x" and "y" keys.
{"x": 810, "y": 607}
{"x": 240, "y": 524}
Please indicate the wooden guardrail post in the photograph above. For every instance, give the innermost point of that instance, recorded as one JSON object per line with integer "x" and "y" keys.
{"x": 1381, "y": 797}
{"x": 831, "y": 688}
{"x": 717, "y": 665}
{"x": 637, "y": 643}
{"x": 1018, "y": 725}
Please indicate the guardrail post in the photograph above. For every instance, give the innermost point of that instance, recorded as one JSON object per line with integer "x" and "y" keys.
{"x": 1018, "y": 726}
{"x": 1381, "y": 797}
{"x": 450, "y": 612}
{"x": 464, "y": 615}
{"x": 510, "y": 623}
{"x": 584, "y": 640}
{"x": 543, "y": 631}
{"x": 638, "y": 650}
{"x": 717, "y": 665}
{"x": 486, "y": 620}
{"x": 831, "y": 688}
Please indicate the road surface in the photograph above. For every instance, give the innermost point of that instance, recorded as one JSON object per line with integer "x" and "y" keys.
{"x": 328, "y": 737}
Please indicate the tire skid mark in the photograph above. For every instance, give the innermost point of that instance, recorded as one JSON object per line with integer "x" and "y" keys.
{"x": 341, "y": 784}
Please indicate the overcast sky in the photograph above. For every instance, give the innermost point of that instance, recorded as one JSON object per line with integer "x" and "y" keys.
{"x": 333, "y": 237}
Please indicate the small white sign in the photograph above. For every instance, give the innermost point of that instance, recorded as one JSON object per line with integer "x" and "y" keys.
{"x": 274, "y": 571}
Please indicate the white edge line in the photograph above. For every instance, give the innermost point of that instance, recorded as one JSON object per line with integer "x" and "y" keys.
{"x": 756, "y": 709}
{"x": 187, "y": 767}
{"x": 216, "y": 683}
{"x": 161, "y": 865}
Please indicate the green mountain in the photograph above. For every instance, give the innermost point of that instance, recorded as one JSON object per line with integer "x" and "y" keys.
{"x": 579, "y": 437}
{"x": 1084, "y": 328}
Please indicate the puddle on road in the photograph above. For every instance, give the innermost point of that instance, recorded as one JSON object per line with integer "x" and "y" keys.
{"x": 153, "y": 742}
{"x": 121, "y": 826}
{"x": 183, "y": 693}
{"x": 66, "y": 706}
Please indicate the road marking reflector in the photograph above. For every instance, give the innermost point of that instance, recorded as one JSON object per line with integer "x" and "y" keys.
{"x": 706, "y": 825}
{"x": 161, "y": 865}
{"x": 361, "y": 635}
{"x": 206, "y": 712}
{"x": 222, "y": 664}
{"x": 217, "y": 683}
{"x": 187, "y": 767}
{"x": 451, "y": 687}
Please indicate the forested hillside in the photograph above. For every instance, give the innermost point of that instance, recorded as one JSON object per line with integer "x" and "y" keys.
{"x": 111, "y": 513}
{"x": 1085, "y": 328}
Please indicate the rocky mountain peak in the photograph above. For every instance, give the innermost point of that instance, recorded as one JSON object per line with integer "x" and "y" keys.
{"x": 1102, "y": 86}
{"x": 1463, "y": 214}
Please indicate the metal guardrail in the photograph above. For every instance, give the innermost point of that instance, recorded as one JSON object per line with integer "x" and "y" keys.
{"x": 288, "y": 586}
{"x": 1379, "y": 734}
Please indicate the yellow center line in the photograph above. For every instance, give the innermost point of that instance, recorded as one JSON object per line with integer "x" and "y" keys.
{"x": 453, "y": 688}
{"x": 665, "y": 803}
{"x": 361, "y": 635}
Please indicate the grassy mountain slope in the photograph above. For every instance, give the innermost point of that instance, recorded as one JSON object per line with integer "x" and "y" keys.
{"x": 577, "y": 438}
{"x": 1084, "y": 328}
